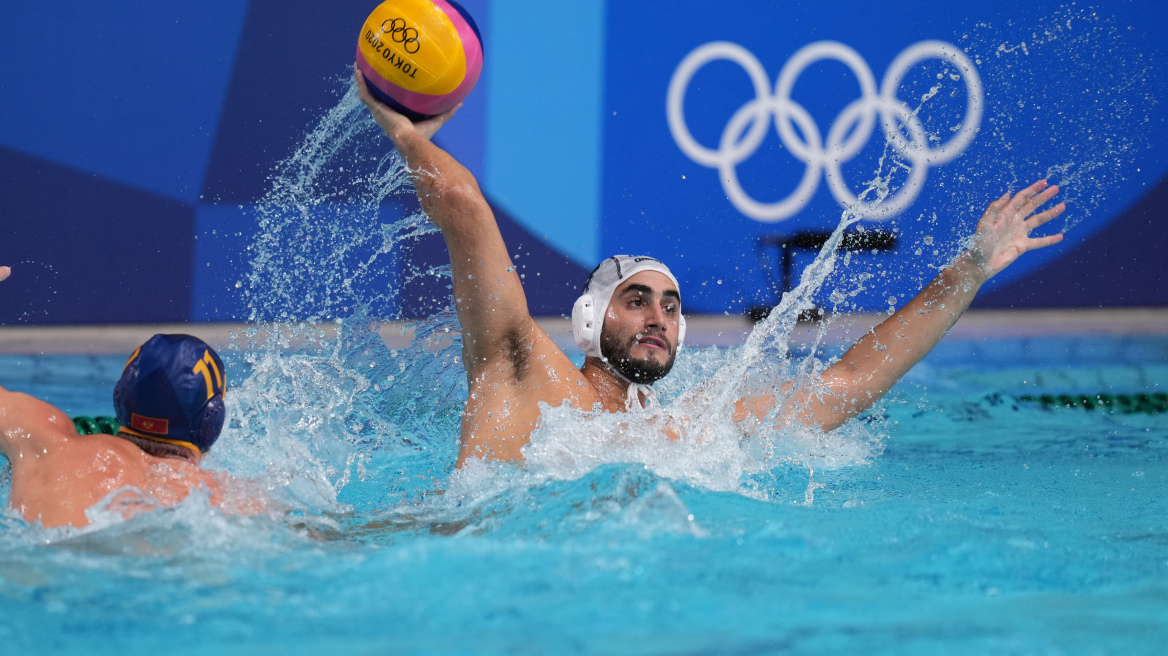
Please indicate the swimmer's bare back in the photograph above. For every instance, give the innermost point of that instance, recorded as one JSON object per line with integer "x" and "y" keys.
{"x": 58, "y": 474}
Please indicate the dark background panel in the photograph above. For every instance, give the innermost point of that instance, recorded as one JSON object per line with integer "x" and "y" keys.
{"x": 1123, "y": 265}
{"x": 87, "y": 250}
{"x": 287, "y": 73}
{"x": 551, "y": 281}
{"x": 130, "y": 91}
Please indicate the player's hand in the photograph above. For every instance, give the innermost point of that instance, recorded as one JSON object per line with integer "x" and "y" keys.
{"x": 1003, "y": 233}
{"x": 392, "y": 122}
{"x": 5, "y": 272}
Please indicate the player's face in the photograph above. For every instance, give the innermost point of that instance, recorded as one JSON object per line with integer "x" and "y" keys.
{"x": 639, "y": 337}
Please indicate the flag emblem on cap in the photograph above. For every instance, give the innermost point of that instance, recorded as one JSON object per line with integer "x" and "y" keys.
{"x": 149, "y": 424}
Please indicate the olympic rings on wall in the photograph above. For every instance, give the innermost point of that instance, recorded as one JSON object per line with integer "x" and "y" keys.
{"x": 847, "y": 136}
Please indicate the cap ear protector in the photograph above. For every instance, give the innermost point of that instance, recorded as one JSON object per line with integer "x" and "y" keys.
{"x": 584, "y": 326}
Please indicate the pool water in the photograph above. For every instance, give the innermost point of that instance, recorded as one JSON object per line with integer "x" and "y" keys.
{"x": 960, "y": 520}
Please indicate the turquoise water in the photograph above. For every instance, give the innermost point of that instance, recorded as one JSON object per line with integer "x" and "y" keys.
{"x": 954, "y": 520}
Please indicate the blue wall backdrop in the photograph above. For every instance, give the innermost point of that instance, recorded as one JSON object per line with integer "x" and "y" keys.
{"x": 135, "y": 140}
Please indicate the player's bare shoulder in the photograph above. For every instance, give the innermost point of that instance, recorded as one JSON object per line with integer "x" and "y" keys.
{"x": 28, "y": 424}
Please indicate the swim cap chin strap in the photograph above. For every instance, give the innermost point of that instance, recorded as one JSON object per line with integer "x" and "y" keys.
{"x": 633, "y": 399}
{"x": 589, "y": 310}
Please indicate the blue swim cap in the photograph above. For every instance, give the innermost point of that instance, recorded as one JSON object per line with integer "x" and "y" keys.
{"x": 172, "y": 391}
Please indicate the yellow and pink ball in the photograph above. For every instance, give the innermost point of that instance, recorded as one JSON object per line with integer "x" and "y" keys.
{"x": 420, "y": 57}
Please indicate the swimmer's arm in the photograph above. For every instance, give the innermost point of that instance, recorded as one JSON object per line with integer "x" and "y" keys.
{"x": 487, "y": 292}
{"x": 874, "y": 364}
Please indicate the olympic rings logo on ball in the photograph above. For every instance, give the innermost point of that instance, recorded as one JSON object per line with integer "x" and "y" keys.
{"x": 845, "y": 139}
{"x": 399, "y": 33}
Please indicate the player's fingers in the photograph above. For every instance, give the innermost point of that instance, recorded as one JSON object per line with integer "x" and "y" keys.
{"x": 998, "y": 204}
{"x": 1026, "y": 194}
{"x": 428, "y": 127}
{"x": 1043, "y": 242}
{"x": 446, "y": 116}
{"x": 362, "y": 90}
{"x": 1038, "y": 200}
{"x": 1044, "y": 216}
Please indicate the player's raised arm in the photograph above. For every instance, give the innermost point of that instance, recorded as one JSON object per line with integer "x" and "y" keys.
{"x": 875, "y": 363}
{"x": 487, "y": 292}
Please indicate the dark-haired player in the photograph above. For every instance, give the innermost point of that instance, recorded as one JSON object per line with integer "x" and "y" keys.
{"x": 629, "y": 318}
{"x": 169, "y": 402}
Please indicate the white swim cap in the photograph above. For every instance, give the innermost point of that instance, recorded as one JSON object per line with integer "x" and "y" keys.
{"x": 588, "y": 312}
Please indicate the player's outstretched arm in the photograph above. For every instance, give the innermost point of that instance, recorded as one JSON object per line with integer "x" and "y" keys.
{"x": 487, "y": 293}
{"x": 875, "y": 363}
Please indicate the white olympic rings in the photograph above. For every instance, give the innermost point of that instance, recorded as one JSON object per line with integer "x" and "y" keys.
{"x": 845, "y": 139}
